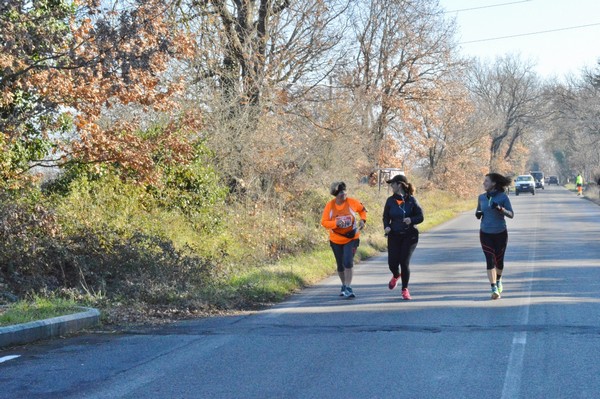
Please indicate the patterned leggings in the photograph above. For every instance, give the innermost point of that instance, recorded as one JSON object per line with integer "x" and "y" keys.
{"x": 494, "y": 246}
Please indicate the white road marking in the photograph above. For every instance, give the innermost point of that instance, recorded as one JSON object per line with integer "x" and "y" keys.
{"x": 7, "y": 358}
{"x": 512, "y": 380}
{"x": 514, "y": 370}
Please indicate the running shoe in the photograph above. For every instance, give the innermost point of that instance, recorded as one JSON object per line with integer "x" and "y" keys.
{"x": 495, "y": 293}
{"x": 393, "y": 282}
{"x": 342, "y": 292}
{"x": 348, "y": 293}
{"x": 499, "y": 285}
{"x": 406, "y": 294}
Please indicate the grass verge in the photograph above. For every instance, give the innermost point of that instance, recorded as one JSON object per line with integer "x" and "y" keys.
{"x": 591, "y": 192}
{"x": 37, "y": 309}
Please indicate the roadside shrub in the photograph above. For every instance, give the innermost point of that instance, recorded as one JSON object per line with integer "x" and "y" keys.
{"x": 99, "y": 263}
{"x": 102, "y": 237}
{"x": 263, "y": 231}
{"x": 28, "y": 228}
{"x": 72, "y": 172}
{"x": 138, "y": 268}
{"x": 195, "y": 190}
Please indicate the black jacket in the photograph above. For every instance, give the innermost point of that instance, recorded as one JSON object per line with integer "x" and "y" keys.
{"x": 398, "y": 207}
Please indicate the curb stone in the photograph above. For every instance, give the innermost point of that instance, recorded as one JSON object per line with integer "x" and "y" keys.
{"x": 19, "y": 334}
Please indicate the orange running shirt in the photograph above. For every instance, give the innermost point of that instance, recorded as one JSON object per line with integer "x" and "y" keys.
{"x": 347, "y": 213}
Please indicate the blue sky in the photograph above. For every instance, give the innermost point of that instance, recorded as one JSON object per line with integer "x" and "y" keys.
{"x": 557, "y": 53}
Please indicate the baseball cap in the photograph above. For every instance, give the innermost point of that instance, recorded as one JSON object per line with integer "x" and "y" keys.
{"x": 397, "y": 179}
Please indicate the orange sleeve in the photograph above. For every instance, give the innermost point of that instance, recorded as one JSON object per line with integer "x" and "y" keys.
{"x": 358, "y": 207}
{"x": 325, "y": 221}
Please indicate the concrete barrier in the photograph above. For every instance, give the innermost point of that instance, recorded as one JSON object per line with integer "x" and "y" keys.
{"x": 19, "y": 334}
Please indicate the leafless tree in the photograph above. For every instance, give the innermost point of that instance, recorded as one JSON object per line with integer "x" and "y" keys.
{"x": 508, "y": 93}
{"x": 256, "y": 58}
{"x": 402, "y": 48}
{"x": 248, "y": 48}
{"x": 576, "y": 123}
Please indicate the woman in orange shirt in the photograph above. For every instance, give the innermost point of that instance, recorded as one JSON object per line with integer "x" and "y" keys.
{"x": 344, "y": 217}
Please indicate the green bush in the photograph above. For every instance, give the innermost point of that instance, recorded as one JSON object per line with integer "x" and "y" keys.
{"x": 70, "y": 173}
{"x": 195, "y": 190}
{"x": 103, "y": 236}
{"x": 28, "y": 229}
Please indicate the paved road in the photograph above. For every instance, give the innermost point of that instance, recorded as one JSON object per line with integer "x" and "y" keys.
{"x": 541, "y": 340}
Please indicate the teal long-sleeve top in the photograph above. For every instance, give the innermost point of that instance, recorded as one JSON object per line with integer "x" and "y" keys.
{"x": 493, "y": 221}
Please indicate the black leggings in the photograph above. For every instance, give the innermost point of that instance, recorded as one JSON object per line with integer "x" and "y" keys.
{"x": 344, "y": 254}
{"x": 494, "y": 246}
{"x": 400, "y": 250}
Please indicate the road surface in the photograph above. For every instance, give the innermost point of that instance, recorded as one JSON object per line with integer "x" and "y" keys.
{"x": 541, "y": 340}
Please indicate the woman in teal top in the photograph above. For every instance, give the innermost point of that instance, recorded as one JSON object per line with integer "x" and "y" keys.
{"x": 492, "y": 208}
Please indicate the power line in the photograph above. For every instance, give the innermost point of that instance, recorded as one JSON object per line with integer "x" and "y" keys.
{"x": 530, "y": 33}
{"x": 488, "y": 6}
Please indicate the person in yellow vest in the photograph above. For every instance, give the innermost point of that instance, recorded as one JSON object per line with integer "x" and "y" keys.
{"x": 344, "y": 218}
{"x": 579, "y": 184}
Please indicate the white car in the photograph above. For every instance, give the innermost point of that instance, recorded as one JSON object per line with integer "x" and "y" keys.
{"x": 525, "y": 183}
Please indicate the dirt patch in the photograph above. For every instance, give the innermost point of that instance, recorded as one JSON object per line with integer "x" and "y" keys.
{"x": 122, "y": 317}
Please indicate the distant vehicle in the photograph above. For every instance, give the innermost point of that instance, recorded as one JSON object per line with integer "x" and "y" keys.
{"x": 539, "y": 179}
{"x": 525, "y": 183}
{"x": 553, "y": 180}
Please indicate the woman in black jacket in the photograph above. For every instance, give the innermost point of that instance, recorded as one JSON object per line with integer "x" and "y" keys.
{"x": 400, "y": 215}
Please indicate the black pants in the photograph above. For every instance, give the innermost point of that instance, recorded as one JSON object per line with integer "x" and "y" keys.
{"x": 494, "y": 246}
{"x": 400, "y": 250}
{"x": 344, "y": 254}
